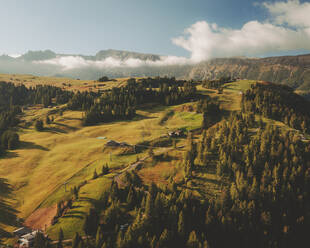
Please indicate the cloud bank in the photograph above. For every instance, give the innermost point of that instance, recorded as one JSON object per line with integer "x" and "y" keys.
{"x": 287, "y": 28}
{"x": 76, "y": 62}
{"x": 14, "y": 55}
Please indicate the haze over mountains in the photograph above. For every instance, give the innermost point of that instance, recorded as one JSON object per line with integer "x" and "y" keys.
{"x": 291, "y": 70}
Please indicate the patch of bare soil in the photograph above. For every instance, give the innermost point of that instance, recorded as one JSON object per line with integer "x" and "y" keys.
{"x": 186, "y": 108}
{"x": 41, "y": 218}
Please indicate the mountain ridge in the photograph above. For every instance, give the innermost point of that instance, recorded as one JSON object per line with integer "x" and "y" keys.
{"x": 40, "y": 55}
{"x": 290, "y": 70}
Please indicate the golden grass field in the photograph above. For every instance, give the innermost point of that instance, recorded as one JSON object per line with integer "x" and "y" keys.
{"x": 68, "y": 152}
{"x": 64, "y": 83}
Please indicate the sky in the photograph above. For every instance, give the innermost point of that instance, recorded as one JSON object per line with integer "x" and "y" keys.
{"x": 191, "y": 29}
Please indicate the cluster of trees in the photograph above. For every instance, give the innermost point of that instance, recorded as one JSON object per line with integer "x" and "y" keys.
{"x": 13, "y": 98}
{"x": 156, "y": 82}
{"x": 210, "y": 107}
{"x": 278, "y": 102}
{"x": 62, "y": 206}
{"x": 82, "y": 101}
{"x": 216, "y": 83}
{"x": 9, "y": 138}
{"x": 162, "y": 218}
{"x": 20, "y": 95}
{"x": 121, "y": 103}
{"x": 103, "y": 79}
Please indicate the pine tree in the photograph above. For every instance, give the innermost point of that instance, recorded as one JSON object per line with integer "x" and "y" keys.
{"x": 151, "y": 152}
{"x": 192, "y": 241}
{"x": 99, "y": 237}
{"x": 47, "y": 120}
{"x": 60, "y": 238}
{"x": 95, "y": 175}
{"x": 181, "y": 224}
{"x": 39, "y": 125}
{"x": 105, "y": 169}
{"x": 40, "y": 241}
{"x": 164, "y": 239}
{"x": 149, "y": 206}
{"x": 76, "y": 240}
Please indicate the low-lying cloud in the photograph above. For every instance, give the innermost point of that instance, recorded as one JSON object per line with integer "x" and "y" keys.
{"x": 14, "y": 55}
{"x": 75, "y": 62}
{"x": 287, "y": 28}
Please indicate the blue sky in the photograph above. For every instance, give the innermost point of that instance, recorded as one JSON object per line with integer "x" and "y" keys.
{"x": 85, "y": 27}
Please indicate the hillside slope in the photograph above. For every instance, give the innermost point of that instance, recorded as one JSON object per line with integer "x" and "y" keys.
{"x": 290, "y": 70}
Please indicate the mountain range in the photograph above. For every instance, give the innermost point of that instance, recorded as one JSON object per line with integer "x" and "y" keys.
{"x": 290, "y": 70}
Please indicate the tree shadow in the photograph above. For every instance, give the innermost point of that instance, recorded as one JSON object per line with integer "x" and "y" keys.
{"x": 139, "y": 117}
{"x": 72, "y": 118}
{"x": 208, "y": 91}
{"x": 75, "y": 212}
{"x": 87, "y": 199}
{"x": 207, "y": 180}
{"x": 31, "y": 145}
{"x": 54, "y": 130}
{"x": 73, "y": 216}
{"x": 153, "y": 108}
{"x": 8, "y": 216}
{"x": 9, "y": 154}
{"x": 66, "y": 126}
{"x": 74, "y": 207}
{"x": 94, "y": 202}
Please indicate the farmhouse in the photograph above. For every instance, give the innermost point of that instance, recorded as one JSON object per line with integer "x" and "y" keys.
{"x": 27, "y": 240}
{"x": 21, "y": 231}
{"x": 176, "y": 133}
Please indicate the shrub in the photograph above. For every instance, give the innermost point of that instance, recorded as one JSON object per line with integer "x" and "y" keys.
{"x": 39, "y": 125}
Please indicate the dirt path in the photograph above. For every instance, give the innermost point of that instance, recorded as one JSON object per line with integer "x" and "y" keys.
{"x": 117, "y": 178}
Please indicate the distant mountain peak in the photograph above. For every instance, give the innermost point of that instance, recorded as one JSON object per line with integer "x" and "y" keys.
{"x": 38, "y": 55}
{"x": 123, "y": 55}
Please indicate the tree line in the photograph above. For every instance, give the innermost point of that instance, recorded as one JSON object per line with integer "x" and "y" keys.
{"x": 216, "y": 83}
{"x": 278, "y": 102}
{"x": 121, "y": 103}
{"x": 12, "y": 100}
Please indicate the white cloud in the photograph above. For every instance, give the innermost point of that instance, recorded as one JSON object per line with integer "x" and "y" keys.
{"x": 75, "y": 62}
{"x": 292, "y": 13}
{"x": 289, "y": 29}
{"x": 14, "y": 55}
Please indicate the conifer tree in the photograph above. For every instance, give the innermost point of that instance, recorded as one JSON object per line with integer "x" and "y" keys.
{"x": 76, "y": 240}
{"x": 192, "y": 241}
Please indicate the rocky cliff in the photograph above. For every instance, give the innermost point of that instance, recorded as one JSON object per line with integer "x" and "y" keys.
{"x": 291, "y": 70}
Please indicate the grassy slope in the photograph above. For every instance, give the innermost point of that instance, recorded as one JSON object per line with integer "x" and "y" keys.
{"x": 68, "y": 152}
{"x": 81, "y": 85}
